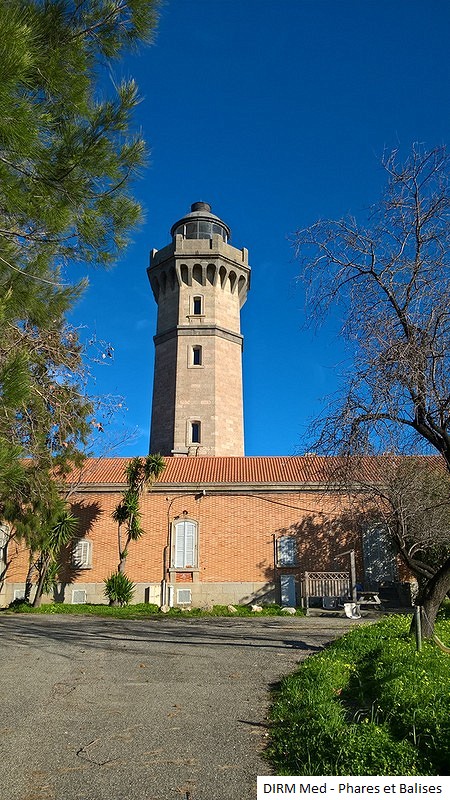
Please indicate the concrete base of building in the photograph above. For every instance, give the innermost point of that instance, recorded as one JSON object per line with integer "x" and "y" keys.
{"x": 194, "y": 595}
{"x": 226, "y": 593}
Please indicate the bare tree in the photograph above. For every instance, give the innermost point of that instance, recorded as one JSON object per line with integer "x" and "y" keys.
{"x": 390, "y": 277}
{"x": 410, "y": 497}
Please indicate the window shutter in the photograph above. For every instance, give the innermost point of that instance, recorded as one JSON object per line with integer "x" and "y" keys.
{"x": 286, "y": 551}
{"x": 378, "y": 555}
{"x": 82, "y": 554}
{"x": 185, "y": 543}
{"x": 287, "y": 587}
{"x": 189, "y": 553}
{"x": 179, "y": 545}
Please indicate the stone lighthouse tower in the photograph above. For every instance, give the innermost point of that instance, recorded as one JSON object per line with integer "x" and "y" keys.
{"x": 200, "y": 283}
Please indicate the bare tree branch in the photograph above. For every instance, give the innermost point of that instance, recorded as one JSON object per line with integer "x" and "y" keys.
{"x": 391, "y": 277}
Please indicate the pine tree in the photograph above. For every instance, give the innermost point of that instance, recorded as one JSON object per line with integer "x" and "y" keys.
{"x": 67, "y": 157}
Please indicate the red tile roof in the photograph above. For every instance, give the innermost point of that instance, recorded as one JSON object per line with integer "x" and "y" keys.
{"x": 199, "y": 470}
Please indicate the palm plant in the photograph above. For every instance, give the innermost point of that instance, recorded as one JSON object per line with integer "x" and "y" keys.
{"x": 119, "y": 589}
{"x": 140, "y": 472}
{"x": 58, "y": 535}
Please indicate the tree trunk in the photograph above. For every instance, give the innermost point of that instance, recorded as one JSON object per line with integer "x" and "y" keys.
{"x": 4, "y": 543}
{"x": 119, "y": 544}
{"x": 29, "y": 579}
{"x": 38, "y": 596}
{"x": 431, "y": 597}
{"x": 123, "y": 556}
{"x": 40, "y": 584}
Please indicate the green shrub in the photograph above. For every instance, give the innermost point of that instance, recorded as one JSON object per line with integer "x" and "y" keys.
{"x": 119, "y": 589}
{"x": 19, "y": 605}
{"x": 444, "y": 611}
{"x": 246, "y": 611}
{"x": 138, "y": 610}
{"x": 368, "y": 705}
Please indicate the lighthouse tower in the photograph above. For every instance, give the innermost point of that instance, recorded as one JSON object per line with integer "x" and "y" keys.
{"x": 200, "y": 283}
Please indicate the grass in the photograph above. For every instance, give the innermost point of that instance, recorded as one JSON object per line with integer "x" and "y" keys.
{"x": 145, "y": 610}
{"x": 368, "y": 705}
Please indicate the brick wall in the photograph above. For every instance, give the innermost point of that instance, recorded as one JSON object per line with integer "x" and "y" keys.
{"x": 236, "y": 535}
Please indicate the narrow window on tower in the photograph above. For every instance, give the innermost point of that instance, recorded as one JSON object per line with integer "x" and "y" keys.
{"x": 195, "y": 432}
{"x": 197, "y": 305}
{"x": 197, "y": 356}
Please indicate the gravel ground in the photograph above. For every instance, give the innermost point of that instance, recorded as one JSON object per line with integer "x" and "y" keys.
{"x": 143, "y": 710}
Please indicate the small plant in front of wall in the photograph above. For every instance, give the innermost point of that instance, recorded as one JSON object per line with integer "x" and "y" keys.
{"x": 119, "y": 589}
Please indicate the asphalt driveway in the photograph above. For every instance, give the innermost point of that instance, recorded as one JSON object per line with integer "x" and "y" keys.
{"x": 142, "y": 710}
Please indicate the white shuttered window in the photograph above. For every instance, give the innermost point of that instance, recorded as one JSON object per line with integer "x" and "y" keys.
{"x": 82, "y": 554}
{"x": 185, "y": 549}
{"x": 286, "y": 551}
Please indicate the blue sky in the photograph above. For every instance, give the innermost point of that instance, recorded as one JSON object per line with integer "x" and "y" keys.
{"x": 277, "y": 114}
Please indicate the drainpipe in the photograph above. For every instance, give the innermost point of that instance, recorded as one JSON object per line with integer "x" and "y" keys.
{"x": 353, "y": 575}
{"x": 171, "y": 594}
{"x": 351, "y": 554}
{"x": 276, "y": 572}
{"x": 164, "y": 579}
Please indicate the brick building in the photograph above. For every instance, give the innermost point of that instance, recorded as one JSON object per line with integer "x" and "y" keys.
{"x": 219, "y": 527}
{"x": 217, "y": 530}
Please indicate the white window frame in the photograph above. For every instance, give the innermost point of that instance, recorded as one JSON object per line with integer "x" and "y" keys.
{"x": 75, "y": 600}
{"x": 286, "y": 551}
{"x": 82, "y": 554}
{"x": 185, "y": 544}
{"x": 187, "y": 594}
